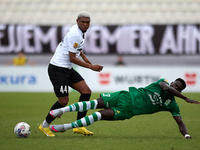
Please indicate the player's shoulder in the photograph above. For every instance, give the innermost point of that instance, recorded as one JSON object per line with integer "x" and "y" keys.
{"x": 160, "y": 81}
{"x": 163, "y": 80}
{"x": 74, "y": 30}
{"x": 74, "y": 35}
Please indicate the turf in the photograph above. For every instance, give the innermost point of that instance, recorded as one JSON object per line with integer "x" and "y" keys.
{"x": 147, "y": 132}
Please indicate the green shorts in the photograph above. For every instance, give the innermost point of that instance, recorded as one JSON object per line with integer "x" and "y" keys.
{"x": 121, "y": 104}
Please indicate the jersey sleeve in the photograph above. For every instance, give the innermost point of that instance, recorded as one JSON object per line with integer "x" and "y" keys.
{"x": 73, "y": 43}
{"x": 175, "y": 111}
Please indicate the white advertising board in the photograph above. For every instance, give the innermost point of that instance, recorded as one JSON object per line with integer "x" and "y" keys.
{"x": 120, "y": 78}
{"x": 24, "y": 79}
{"x": 112, "y": 78}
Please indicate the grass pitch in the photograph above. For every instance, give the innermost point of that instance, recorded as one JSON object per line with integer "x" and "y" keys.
{"x": 147, "y": 132}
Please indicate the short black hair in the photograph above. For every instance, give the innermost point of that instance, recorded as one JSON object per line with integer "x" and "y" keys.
{"x": 182, "y": 81}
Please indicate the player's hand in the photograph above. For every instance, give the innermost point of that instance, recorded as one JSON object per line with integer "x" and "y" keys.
{"x": 192, "y": 101}
{"x": 97, "y": 68}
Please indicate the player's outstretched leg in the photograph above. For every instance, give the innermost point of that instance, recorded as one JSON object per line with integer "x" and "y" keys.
{"x": 85, "y": 121}
{"x": 80, "y": 106}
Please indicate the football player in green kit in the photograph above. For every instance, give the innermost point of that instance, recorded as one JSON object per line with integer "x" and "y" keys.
{"x": 121, "y": 105}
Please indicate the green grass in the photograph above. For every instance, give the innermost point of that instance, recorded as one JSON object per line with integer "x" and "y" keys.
{"x": 147, "y": 132}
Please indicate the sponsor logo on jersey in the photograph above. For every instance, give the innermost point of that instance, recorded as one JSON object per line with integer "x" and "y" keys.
{"x": 167, "y": 102}
{"x": 75, "y": 45}
{"x": 155, "y": 98}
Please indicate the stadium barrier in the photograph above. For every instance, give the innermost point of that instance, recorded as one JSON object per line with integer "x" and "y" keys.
{"x": 112, "y": 78}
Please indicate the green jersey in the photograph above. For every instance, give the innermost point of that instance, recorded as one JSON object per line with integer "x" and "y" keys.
{"x": 152, "y": 99}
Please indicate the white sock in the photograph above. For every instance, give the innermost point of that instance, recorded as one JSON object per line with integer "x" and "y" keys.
{"x": 67, "y": 126}
{"x": 45, "y": 124}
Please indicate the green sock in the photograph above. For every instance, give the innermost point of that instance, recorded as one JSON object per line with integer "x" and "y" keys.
{"x": 86, "y": 121}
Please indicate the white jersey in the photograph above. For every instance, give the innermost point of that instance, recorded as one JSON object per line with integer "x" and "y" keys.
{"x": 72, "y": 42}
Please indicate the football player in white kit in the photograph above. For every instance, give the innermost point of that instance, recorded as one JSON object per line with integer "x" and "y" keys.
{"x": 62, "y": 74}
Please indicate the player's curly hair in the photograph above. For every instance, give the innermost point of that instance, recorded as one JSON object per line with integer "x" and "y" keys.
{"x": 182, "y": 81}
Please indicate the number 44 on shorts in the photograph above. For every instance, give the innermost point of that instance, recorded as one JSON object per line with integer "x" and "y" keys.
{"x": 63, "y": 89}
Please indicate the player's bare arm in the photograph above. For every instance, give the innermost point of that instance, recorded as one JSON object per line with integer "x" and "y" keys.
{"x": 79, "y": 62}
{"x": 84, "y": 58}
{"x": 96, "y": 67}
{"x": 176, "y": 91}
{"x": 182, "y": 127}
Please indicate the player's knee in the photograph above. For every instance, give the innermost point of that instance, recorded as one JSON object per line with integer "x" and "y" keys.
{"x": 86, "y": 91}
{"x": 100, "y": 103}
{"x": 107, "y": 114}
{"x": 63, "y": 100}
{"x": 89, "y": 91}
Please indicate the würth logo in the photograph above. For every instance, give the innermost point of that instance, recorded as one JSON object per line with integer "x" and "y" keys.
{"x": 191, "y": 78}
{"x": 104, "y": 78}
